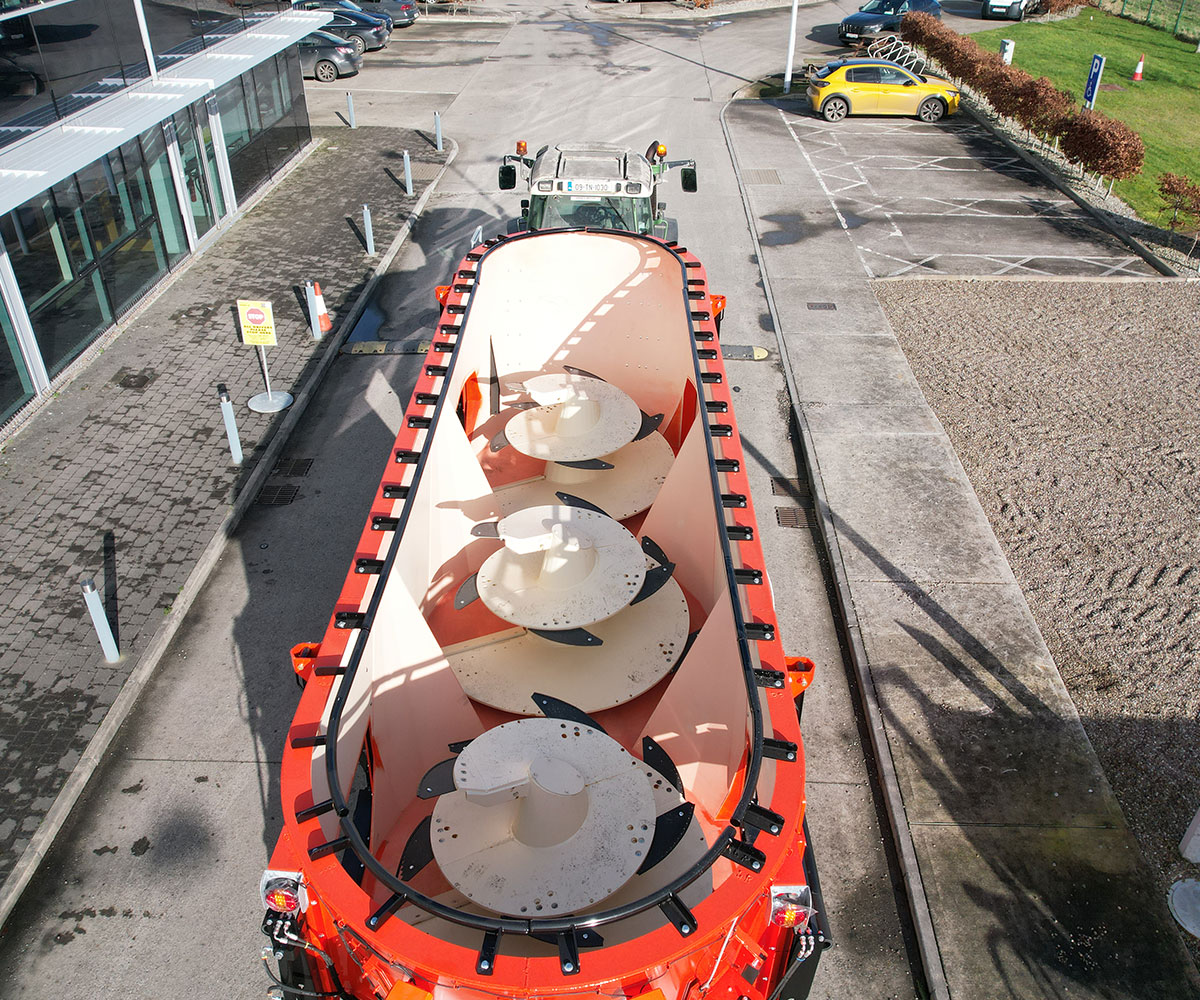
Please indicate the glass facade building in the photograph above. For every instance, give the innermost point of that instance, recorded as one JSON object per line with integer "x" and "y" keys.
{"x": 118, "y": 208}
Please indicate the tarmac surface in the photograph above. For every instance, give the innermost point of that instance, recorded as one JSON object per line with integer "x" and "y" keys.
{"x": 1028, "y": 879}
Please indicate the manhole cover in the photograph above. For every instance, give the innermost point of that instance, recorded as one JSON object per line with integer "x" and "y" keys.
{"x": 277, "y": 495}
{"x": 134, "y": 380}
{"x": 792, "y": 517}
{"x": 292, "y": 467}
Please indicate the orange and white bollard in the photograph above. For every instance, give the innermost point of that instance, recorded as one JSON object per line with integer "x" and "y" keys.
{"x": 1137, "y": 73}
{"x": 323, "y": 319}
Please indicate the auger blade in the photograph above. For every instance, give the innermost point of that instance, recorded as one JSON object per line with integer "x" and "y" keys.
{"x": 499, "y": 442}
{"x": 669, "y": 829}
{"x": 655, "y": 580}
{"x": 583, "y": 373}
{"x": 658, "y": 758}
{"x": 649, "y": 425}
{"x": 438, "y": 780}
{"x": 556, "y": 708}
{"x": 418, "y": 851}
{"x": 467, "y": 593}
{"x": 654, "y": 550}
{"x": 569, "y": 636}
{"x": 573, "y": 501}
{"x": 588, "y": 465}
{"x": 486, "y": 529}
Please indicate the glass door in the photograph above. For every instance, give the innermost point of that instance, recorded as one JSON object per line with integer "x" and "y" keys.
{"x": 195, "y": 177}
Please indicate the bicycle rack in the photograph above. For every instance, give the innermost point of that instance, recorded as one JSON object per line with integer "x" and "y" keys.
{"x": 890, "y": 47}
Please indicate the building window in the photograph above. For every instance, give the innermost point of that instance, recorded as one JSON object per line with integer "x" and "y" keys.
{"x": 16, "y": 388}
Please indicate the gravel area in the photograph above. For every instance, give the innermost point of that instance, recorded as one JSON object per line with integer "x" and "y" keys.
{"x": 1073, "y": 408}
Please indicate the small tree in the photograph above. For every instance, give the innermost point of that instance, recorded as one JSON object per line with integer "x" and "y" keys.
{"x": 1041, "y": 106}
{"x": 1182, "y": 198}
{"x": 1099, "y": 143}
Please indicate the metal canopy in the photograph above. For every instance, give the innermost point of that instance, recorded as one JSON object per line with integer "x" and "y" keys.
{"x": 51, "y": 153}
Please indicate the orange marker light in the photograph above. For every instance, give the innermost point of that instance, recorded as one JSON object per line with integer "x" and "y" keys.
{"x": 661, "y": 150}
{"x": 522, "y": 148}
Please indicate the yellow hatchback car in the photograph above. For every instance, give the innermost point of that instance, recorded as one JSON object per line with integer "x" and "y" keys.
{"x": 879, "y": 87}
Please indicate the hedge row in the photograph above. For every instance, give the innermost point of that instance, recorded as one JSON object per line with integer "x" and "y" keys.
{"x": 1094, "y": 141}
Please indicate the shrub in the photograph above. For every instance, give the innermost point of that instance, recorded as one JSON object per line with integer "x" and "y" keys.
{"x": 1103, "y": 145}
{"x": 1042, "y": 107}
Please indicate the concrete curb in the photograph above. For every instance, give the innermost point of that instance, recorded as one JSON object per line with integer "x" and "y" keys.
{"x": 918, "y": 901}
{"x": 58, "y": 814}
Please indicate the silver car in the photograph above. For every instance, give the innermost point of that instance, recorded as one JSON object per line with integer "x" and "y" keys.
{"x": 325, "y": 57}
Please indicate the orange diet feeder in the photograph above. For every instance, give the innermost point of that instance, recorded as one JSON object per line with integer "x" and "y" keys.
{"x": 549, "y": 745}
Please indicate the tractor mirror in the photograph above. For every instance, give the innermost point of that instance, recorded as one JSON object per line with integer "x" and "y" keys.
{"x": 687, "y": 178}
{"x": 508, "y": 177}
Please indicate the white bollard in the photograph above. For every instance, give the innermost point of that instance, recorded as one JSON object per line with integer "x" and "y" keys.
{"x": 1189, "y": 847}
{"x": 231, "y": 431}
{"x": 350, "y": 109}
{"x": 408, "y": 188}
{"x": 99, "y": 620}
{"x": 437, "y": 129}
{"x": 368, "y": 231}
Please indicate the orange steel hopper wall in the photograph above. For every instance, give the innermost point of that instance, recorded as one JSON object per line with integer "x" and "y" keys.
{"x": 639, "y": 314}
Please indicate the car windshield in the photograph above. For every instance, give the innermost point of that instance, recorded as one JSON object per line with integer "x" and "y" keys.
{"x": 565, "y": 211}
{"x": 880, "y": 7}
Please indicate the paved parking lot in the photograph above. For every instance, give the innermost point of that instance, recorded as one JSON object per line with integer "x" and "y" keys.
{"x": 917, "y": 198}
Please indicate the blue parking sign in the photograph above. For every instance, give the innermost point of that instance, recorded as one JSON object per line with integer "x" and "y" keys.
{"x": 1093, "y": 82}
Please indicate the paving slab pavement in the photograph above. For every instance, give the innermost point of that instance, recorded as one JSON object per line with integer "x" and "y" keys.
{"x": 130, "y": 486}
{"x": 1027, "y": 881}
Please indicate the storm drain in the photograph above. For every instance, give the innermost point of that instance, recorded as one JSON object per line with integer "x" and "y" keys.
{"x": 793, "y": 517}
{"x": 825, "y": 306}
{"x": 277, "y": 494}
{"x": 797, "y": 489}
{"x": 761, "y": 175}
{"x": 292, "y": 467}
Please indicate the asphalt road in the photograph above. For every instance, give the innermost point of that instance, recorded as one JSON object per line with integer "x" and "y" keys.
{"x": 192, "y": 780}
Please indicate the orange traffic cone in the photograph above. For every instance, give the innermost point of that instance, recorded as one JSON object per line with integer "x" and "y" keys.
{"x": 323, "y": 319}
{"x": 1137, "y": 73}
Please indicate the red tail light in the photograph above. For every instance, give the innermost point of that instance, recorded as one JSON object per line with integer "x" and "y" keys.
{"x": 281, "y": 891}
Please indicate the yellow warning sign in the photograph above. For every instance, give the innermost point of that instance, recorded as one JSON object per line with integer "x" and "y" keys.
{"x": 257, "y": 322}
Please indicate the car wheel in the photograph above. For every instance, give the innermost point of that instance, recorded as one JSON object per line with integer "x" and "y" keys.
{"x": 325, "y": 71}
{"x": 357, "y": 44}
{"x": 931, "y": 110}
{"x": 835, "y": 109}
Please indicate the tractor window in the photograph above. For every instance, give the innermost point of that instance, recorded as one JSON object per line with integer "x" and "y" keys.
{"x": 592, "y": 211}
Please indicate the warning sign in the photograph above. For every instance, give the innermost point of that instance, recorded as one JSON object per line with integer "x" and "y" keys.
{"x": 257, "y": 322}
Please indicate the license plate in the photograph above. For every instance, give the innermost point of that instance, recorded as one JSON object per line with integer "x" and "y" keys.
{"x": 851, "y": 34}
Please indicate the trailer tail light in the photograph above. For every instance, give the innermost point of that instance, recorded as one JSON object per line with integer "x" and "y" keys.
{"x": 522, "y": 147}
{"x": 545, "y": 185}
{"x": 634, "y": 187}
{"x": 282, "y": 892}
{"x": 791, "y": 906}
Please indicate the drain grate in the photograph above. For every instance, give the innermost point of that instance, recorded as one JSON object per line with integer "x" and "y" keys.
{"x": 292, "y": 467}
{"x": 793, "y": 517}
{"x": 762, "y": 175}
{"x": 827, "y": 306}
{"x": 797, "y": 489}
{"x": 277, "y": 494}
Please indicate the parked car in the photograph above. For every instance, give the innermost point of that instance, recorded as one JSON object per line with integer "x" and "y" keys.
{"x": 325, "y": 57}
{"x": 360, "y": 30}
{"x": 1012, "y": 10}
{"x": 343, "y": 5}
{"x": 878, "y": 16}
{"x": 879, "y": 87}
{"x": 403, "y": 12}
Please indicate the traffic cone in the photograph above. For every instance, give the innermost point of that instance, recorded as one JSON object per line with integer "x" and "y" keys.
{"x": 323, "y": 319}
{"x": 1137, "y": 73}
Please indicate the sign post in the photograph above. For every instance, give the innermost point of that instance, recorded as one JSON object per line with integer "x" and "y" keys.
{"x": 1093, "y": 82}
{"x": 257, "y": 323}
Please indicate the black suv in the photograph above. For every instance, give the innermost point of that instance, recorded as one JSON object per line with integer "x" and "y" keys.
{"x": 880, "y": 16}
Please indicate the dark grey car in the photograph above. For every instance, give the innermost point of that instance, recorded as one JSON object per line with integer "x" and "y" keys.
{"x": 360, "y": 30}
{"x": 325, "y": 57}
